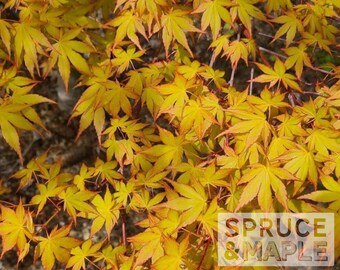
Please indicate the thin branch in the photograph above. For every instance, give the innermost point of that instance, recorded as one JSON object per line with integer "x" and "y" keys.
{"x": 291, "y": 100}
{"x": 313, "y": 93}
{"x": 204, "y": 254}
{"x": 124, "y": 227}
{"x": 232, "y": 75}
{"x": 272, "y": 37}
{"x": 273, "y": 53}
{"x": 251, "y": 81}
{"x": 285, "y": 57}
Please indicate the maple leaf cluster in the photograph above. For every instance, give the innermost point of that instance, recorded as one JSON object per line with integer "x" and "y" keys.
{"x": 178, "y": 139}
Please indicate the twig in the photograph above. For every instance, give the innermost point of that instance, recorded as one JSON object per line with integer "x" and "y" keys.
{"x": 232, "y": 75}
{"x": 270, "y": 36}
{"x": 251, "y": 81}
{"x": 322, "y": 70}
{"x": 124, "y": 227}
{"x": 285, "y": 57}
{"x": 204, "y": 253}
{"x": 291, "y": 100}
{"x": 313, "y": 93}
{"x": 273, "y": 53}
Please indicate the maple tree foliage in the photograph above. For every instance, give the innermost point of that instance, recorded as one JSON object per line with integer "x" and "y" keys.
{"x": 178, "y": 140}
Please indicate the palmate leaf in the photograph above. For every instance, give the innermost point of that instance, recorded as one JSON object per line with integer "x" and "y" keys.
{"x": 213, "y": 12}
{"x": 268, "y": 100}
{"x": 5, "y": 35}
{"x": 56, "y": 246}
{"x": 198, "y": 117}
{"x": 209, "y": 219}
{"x": 254, "y": 125}
{"x": 79, "y": 255}
{"x": 170, "y": 152}
{"x": 237, "y": 50}
{"x": 16, "y": 113}
{"x": 107, "y": 212}
{"x": 175, "y": 95}
{"x": 192, "y": 202}
{"x": 261, "y": 180}
{"x": 302, "y": 164}
{"x": 149, "y": 244}
{"x": 244, "y": 10}
{"x": 330, "y": 195}
{"x": 174, "y": 257}
{"x": 51, "y": 189}
{"x": 323, "y": 141}
{"x": 33, "y": 166}
{"x": 128, "y": 24}
{"x": 76, "y": 200}
{"x": 29, "y": 39}
{"x": 123, "y": 59}
{"x": 291, "y": 24}
{"x": 174, "y": 23}
{"x": 68, "y": 51}
{"x": 15, "y": 228}
{"x": 102, "y": 95}
{"x": 298, "y": 58}
{"x": 277, "y": 75}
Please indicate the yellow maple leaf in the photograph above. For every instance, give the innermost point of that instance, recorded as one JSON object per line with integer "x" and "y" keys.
{"x": 56, "y": 246}
{"x": 15, "y": 228}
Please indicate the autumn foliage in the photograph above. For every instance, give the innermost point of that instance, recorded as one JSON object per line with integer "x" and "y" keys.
{"x": 180, "y": 137}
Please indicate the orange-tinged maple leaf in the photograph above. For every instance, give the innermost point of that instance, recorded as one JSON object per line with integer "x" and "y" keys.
{"x": 175, "y": 94}
{"x": 171, "y": 152}
{"x": 106, "y": 171}
{"x": 317, "y": 39}
{"x": 192, "y": 202}
{"x": 128, "y": 24}
{"x": 26, "y": 174}
{"x": 174, "y": 257}
{"x": 149, "y": 244}
{"x": 15, "y": 227}
{"x": 221, "y": 43}
{"x": 237, "y": 50}
{"x": 198, "y": 117}
{"x": 214, "y": 75}
{"x": 213, "y": 12}
{"x": 174, "y": 23}
{"x": 68, "y": 51}
{"x": 253, "y": 125}
{"x": 123, "y": 58}
{"x": 291, "y": 24}
{"x": 107, "y": 212}
{"x": 261, "y": 180}
{"x": 298, "y": 58}
{"x": 79, "y": 255}
{"x": 51, "y": 189}
{"x": 277, "y": 75}
{"x": 244, "y": 10}
{"x": 268, "y": 100}
{"x": 56, "y": 246}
